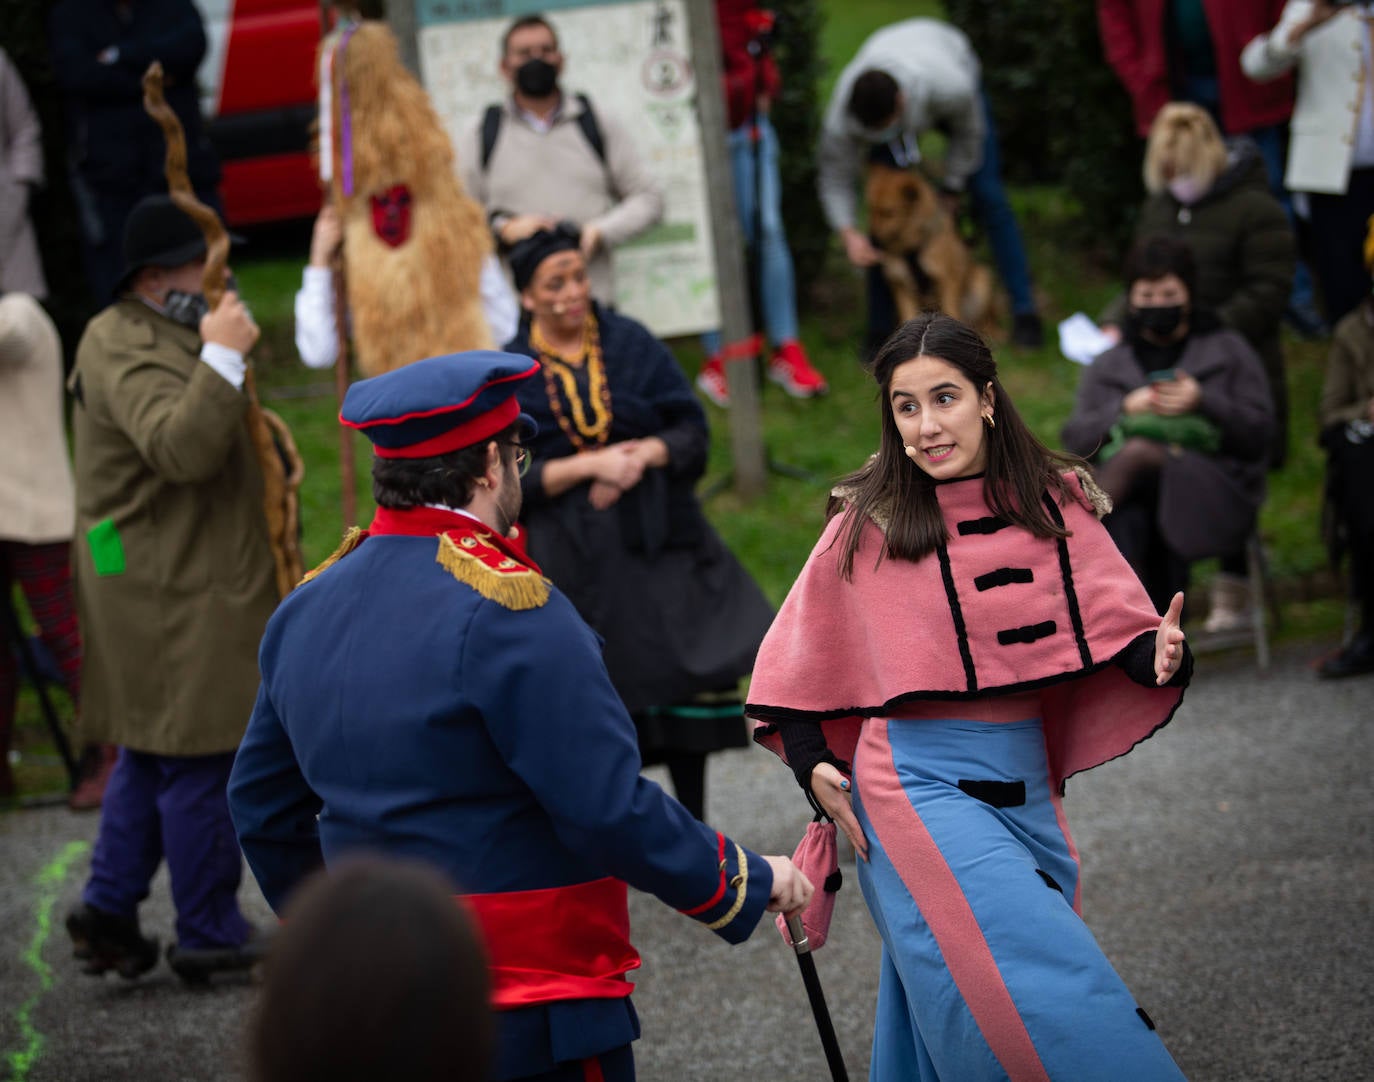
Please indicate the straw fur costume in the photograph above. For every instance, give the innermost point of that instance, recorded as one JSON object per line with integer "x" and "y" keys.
{"x": 414, "y": 241}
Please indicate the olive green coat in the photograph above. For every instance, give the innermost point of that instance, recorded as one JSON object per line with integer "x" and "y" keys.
{"x": 173, "y": 572}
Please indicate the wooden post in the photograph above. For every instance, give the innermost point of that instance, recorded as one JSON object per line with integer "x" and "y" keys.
{"x": 732, "y": 283}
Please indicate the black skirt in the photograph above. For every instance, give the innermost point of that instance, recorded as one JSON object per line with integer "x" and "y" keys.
{"x": 680, "y": 617}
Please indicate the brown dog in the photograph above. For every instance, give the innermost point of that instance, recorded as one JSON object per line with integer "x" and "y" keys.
{"x": 925, "y": 261}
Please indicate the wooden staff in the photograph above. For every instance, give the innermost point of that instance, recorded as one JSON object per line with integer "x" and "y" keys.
{"x": 282, "y": 469}
{"x": 342, "y": 360}
{"x": 347, "y": 469}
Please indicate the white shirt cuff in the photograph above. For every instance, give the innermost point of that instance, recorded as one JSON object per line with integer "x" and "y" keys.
{"x": 227, "y": 362}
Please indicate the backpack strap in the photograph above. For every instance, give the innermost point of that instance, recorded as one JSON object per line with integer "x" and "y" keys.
{"x": 491, "y": 128}
{"x": 591, "y": 130}
{"x": 586, "y": 120}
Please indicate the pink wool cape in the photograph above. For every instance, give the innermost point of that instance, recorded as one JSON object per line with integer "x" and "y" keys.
{"x": 993, "y": 611}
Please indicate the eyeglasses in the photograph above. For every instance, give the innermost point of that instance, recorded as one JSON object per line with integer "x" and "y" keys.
{"x": 522, "y": 458}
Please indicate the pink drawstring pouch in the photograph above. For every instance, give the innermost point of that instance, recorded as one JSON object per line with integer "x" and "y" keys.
{"x": 818, "y": 859}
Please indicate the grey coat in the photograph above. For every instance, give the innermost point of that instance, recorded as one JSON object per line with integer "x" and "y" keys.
{"x": 1207, "y": 503}
{"x": 21, "y": 169}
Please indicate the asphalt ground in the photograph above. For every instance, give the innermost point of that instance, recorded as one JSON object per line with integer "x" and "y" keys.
{"x": 1228, "y": 872}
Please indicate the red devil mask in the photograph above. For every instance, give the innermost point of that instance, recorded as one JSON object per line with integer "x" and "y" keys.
{"x": 391, "y": 215}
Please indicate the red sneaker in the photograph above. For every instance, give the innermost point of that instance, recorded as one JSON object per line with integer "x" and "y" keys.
{"x": 792, "y": 371}
{"x": 711, "y": 381}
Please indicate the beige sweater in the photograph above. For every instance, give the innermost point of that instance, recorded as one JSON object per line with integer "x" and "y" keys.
{"x": 37, "y": 502}
{"x": 557, "y": 172}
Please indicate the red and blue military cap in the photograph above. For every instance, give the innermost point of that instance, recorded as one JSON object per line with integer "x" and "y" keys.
{"x": 440, "y": 404}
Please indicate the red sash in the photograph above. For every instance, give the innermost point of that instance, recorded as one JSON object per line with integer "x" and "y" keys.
{"x": 559, "y": 943}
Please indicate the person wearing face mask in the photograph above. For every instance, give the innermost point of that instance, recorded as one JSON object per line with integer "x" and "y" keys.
{"x": 175, "y": 582}
{"x": 1212, "y": 195}
{"x": 1178, "y": 420}
{"x": 542, "y": 156}
{"x": 615, "y": 523}
{"x": 906, "y": 79}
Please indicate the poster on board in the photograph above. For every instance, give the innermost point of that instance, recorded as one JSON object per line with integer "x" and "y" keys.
{"x": 632, "y": 58}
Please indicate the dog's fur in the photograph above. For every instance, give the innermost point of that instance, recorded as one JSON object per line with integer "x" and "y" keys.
{"x": 925, "y": 261}
{"x": 422, "y": 298}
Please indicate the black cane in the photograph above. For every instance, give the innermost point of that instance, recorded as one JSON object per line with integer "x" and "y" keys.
{"x": 812, "y": 980}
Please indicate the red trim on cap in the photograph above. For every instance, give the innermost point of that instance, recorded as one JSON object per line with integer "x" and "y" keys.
{"x": 465, "y": 435}
{"x": 449, "y": 408}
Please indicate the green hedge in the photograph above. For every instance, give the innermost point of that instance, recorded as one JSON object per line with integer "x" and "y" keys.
{"x": 1062, "y": 116}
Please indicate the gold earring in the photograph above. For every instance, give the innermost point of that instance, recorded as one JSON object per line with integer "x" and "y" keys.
{"x": 482, "y": 482}
{"x": 988, "y": 418}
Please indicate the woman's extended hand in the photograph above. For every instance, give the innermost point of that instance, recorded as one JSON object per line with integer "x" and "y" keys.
{"x": 1169, "y": 642}
{"x": 831, "y": 790}
{"x": 791, "y": 889}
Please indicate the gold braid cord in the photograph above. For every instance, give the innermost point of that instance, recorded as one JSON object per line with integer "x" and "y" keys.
{"x": 282, "y": 468}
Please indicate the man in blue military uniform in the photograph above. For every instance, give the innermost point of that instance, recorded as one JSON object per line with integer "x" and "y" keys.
{"x": 427, "y": 693}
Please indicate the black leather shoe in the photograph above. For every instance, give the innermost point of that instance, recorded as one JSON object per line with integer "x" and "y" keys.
{"x": 103, "y": 941}
{"x": 1027, "y": 331}
{"x": 196, "y": 965}
{"x": 1357, "y": 659}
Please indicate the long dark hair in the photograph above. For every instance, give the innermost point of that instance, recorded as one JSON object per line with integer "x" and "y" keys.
{"x": 1019, "y": 467}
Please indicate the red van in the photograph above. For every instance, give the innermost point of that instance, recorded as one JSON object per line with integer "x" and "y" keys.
{"x": 258, "y": 97}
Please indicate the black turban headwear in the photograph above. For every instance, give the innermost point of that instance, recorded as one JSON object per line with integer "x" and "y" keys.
{"x": 526, "y": 255}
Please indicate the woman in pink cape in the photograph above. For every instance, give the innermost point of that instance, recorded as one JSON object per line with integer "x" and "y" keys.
{"x": 964, "y": 637}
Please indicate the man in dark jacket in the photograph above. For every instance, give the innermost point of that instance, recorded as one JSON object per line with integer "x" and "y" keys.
{"x": 100, "y": 50}
{"x": 428, "y": 694}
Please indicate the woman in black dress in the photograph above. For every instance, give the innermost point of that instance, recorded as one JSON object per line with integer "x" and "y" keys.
{"x": 613, "y": 520}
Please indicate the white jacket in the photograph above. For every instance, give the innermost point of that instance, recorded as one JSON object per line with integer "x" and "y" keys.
{"x": 1331, "y": 84}
{"x": 37, "y": 498}
{"x": 940, "y": 79}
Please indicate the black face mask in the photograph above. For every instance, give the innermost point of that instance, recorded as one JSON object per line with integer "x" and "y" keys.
{"x": 188, "y": 309}
{"x": 536, "y": 78}
{"x": 1161, "y": 321}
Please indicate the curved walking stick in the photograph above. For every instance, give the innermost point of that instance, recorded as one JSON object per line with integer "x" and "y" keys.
{"x": 282, "y": 468}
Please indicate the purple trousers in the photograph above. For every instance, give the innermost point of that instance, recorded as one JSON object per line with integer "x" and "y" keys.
{"x": 160, "y": 806}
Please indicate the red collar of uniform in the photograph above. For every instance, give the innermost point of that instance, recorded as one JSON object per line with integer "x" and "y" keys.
{"x": 433, "y": 521}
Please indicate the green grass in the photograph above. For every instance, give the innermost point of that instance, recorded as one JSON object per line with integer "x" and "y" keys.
{"x": 826, "y": 437}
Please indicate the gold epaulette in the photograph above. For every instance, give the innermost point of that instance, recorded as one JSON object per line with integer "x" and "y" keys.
{"x": 473, "y": 560}
{"x": 351, "y": 540}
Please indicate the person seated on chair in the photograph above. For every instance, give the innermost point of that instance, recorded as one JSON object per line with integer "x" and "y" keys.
{"x": 1178, "y": 420}
{"x": 1347, "y": 433}
{"x": 613, "y": 519}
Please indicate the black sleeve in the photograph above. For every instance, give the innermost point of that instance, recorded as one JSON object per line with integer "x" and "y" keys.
{"x": 1138, "y": 662}
{"x": 804, "y": 743}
